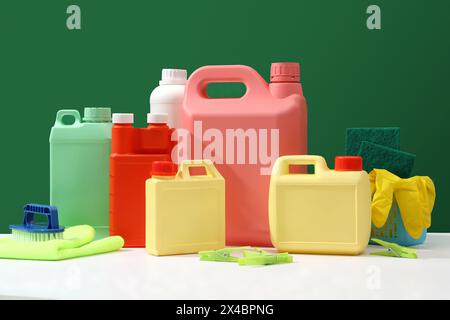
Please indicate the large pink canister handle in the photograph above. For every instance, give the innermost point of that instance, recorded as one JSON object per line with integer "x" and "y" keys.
{"x": 196, "y": 95}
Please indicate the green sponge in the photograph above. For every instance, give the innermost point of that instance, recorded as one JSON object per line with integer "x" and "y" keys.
{"x": 389, "y": 137}
{"x": 376, "y": 156}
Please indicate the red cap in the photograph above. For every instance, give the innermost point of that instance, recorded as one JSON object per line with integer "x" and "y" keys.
{"x": 285, "y": 72}
{"x": 348, "y": 163}
{"x": 164, "y": 168}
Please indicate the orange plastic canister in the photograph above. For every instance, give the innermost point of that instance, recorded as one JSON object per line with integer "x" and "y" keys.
{"x": 133, "y": 152}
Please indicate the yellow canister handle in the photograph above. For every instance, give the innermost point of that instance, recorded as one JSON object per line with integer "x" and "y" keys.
{"x": 211, "y": 170}
{"x": 282, "y": 164}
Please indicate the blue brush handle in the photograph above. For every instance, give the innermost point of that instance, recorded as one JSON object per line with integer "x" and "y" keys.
{"x": 50, "y": 212}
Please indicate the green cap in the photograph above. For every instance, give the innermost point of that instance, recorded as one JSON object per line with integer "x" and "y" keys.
{"x": 97, "y": 114}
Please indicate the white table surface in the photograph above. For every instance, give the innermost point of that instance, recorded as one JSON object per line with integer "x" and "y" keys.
{"x": 133, "y": 274}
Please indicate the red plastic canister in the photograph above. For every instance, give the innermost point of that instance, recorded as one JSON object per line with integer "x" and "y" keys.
{"x": 133, "y": 152}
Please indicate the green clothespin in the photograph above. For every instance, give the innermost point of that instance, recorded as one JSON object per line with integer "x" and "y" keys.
{"x": 260, "y": 257}
{"x": 222, "y": 255}
{"x": 257, "y": 257}
{"x": 395, "y": 250}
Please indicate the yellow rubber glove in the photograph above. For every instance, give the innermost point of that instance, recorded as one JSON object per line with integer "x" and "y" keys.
{"x": 415, "y": 197}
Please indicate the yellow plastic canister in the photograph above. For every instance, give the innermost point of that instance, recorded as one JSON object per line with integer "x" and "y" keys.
{"x": 185, "y": 213}
{"x": 327, "y": 212}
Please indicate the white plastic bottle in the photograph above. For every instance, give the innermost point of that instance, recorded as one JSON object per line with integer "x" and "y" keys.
{"x": 168, "y": 96}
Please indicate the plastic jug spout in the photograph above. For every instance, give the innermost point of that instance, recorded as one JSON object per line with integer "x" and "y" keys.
{"x": 157, "y": 119}
{"x": 97, "y": 115}
{"x": 285, "y": 79}
{"x": 285, "y": 72}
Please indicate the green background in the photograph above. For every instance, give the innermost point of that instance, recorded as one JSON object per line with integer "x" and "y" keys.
{"x": 352, "y": 76}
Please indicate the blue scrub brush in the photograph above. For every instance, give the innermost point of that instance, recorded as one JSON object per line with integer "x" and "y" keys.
{"x": 38, "y": 231}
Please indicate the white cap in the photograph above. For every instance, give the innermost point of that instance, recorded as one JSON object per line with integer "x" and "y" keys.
{"x": 173, "y": 76}
{"x": 123, "y": 118}
{"x": 157, "y": 117}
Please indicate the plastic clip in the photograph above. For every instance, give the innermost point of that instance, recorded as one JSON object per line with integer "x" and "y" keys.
{"x": 260, "y": 257}
{"x": 257, "y": 257}
{"x": 394, "y": 250}
{"x": 222, "y": 255}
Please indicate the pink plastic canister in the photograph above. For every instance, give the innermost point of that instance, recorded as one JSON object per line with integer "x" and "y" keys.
{"x": 243, "y": 137}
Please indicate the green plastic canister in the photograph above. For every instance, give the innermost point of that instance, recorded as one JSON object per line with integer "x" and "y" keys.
{"x": 79, "y": 168}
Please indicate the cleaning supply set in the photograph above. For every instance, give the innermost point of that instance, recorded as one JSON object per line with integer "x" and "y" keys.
{"x": 49, "y": 241}
{"x": 79, "y": 167}
{"x": 248, "y": 150}
{"x": 134, "y": 150}
{"x": 267, "y": 121}
{"x": 401, "y": 204}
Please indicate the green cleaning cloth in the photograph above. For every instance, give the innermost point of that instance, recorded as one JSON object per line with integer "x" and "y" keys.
{"x": 389, "y": 137}
{"x": 77, "y": 242}
{"x": 376, "y": 156}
